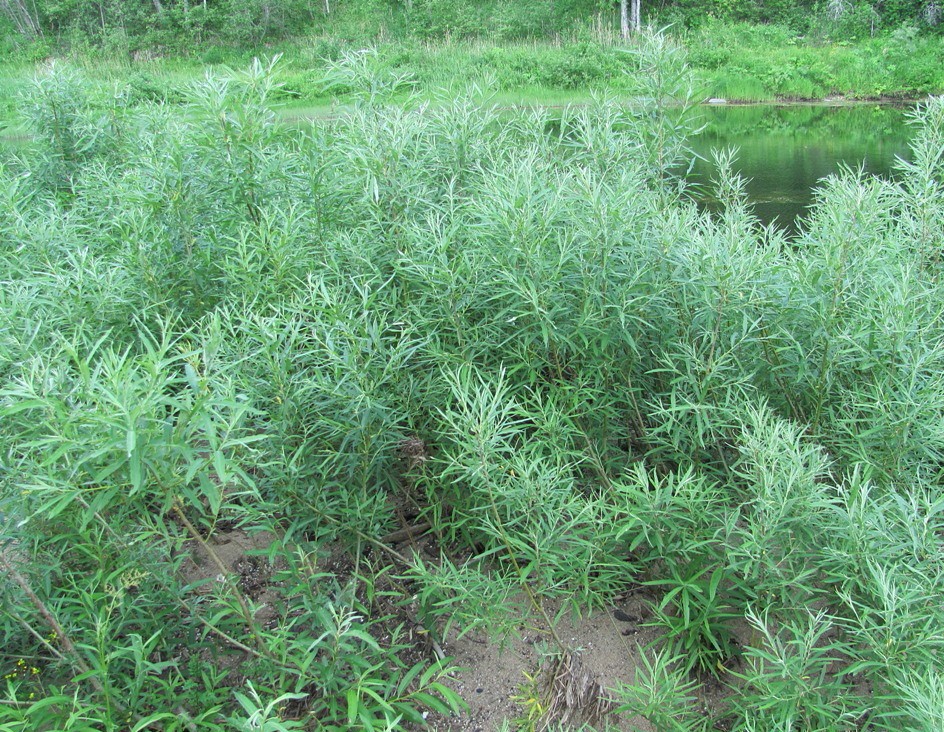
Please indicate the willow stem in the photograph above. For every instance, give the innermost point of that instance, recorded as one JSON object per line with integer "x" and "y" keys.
{"x": 70, "y": 652}
{"x": 224, "y": 573}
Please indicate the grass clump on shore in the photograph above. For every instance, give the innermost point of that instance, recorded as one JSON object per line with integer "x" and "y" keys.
{"x": 510, "y": 331}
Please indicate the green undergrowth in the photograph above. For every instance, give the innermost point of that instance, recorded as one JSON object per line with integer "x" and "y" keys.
{"x": 732, "y": 61}
{"x": 509, "y": 330}
{"x": 756, "y": 63}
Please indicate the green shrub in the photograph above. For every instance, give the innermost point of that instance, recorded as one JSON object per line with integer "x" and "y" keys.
{"x": 510, "y": 326}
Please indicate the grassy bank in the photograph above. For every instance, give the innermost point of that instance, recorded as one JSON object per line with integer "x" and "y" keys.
{"x": 735, "y": 62}
{"x": 762, "y": 63}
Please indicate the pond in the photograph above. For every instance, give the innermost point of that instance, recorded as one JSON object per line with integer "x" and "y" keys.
{"x": 784, "y": 151}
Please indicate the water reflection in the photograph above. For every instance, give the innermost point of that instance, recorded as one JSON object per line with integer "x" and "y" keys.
{"x": 785, "y": 150}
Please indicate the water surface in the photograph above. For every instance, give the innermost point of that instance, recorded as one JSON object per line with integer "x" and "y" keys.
{"x": 785, "y": 151}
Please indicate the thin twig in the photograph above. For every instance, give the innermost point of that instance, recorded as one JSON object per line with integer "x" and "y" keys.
{"x": 33, "y": 632}
{"x": 224, "y": 573}
{"x": 71, "y": 653}
{"x": 409, "y": 532}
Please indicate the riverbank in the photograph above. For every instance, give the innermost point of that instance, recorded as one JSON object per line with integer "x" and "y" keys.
{"x": 768, "y": 63}
{"x": 735, "y": 62}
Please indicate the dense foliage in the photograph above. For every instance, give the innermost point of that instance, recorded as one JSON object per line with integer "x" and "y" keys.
{"x": 180, "y": 25}
{"x": 733, "y": 61}
{"x": 512, "y": 326}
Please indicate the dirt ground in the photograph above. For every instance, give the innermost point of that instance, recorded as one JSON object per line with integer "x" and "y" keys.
{"x": 608, "y": 651}
{"x": 608, "y": 645}
{"x": 605, "y": 647}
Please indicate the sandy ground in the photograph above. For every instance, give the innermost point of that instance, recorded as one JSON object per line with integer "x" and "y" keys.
{"x": 607, "y": 644}
{"x": 606, "y": 647}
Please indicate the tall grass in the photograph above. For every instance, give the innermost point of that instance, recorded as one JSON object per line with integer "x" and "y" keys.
{"x": 507, "y": 328}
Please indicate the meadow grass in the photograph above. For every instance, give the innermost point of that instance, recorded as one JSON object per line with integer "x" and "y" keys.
{"x": 755, "y": 63}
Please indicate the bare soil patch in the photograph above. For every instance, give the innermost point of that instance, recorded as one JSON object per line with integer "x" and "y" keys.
{"x": 494, "y": 676}
{"x": 608, "y": 647}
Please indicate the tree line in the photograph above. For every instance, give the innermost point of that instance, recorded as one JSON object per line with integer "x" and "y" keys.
{"x": 183, "y": 24}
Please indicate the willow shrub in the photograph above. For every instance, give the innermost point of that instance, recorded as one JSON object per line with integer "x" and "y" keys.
{"x": 512, "y": 325}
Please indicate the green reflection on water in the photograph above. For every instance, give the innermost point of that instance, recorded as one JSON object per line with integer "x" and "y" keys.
{"x": 785, "y": 150}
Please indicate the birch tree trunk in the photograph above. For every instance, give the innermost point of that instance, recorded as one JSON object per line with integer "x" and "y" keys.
{"x": 636, "y": 16}
{"x": 624, "y": 18}
{"x": 24, "y": 19}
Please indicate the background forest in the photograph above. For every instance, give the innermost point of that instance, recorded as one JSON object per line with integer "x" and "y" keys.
{"x": 179, "y": 25}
